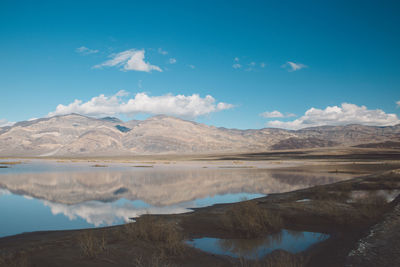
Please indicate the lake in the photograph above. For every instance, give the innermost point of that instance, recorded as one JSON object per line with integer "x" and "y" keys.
{"x": 49, "y": 195}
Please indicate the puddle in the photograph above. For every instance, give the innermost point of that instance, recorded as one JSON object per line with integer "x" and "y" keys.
{"x": 291, "y": 241}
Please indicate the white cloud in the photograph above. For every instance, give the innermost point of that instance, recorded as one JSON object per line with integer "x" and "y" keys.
{"x": 335, "y": 115}
{"x": 176, "y": 105}
{"x": 192, "y": 66}
{"x": 162, "y": 52}
{"x": 247, "y": 66}
{"x": 236, "y": 66}
{"x": 4, "y": 122}
{"x": 86, "y": 51}
{"x": 172, "y": 60}
{"x": 276, "y": 114}
{"x": 291, "y": 66}
{"x": 129, "y": 60}
{"x": 272, "y": 114}
{"x": 398, "y": 103}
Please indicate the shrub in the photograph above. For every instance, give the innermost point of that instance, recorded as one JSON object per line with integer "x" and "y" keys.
{"x": 164, "y": 235}
{"x": 249, "y": 220}
{"x": 372, "y": 205}
{"x": 91, "y": 245}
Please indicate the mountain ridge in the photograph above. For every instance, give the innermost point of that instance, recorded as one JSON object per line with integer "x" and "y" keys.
{"x": 76, "y": 134}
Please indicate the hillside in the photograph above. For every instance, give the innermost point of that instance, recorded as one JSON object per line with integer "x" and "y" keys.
{"x": 77, "y": 135}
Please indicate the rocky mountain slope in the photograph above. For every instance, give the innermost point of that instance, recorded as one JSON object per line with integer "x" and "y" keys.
{"x": 77, "y": 135}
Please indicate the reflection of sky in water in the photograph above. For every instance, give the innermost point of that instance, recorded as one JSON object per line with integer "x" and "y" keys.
{"x": 41, "y": 195}
{"x": 226, "y": 198}
{"x": 20, "y": 214}
{"x": 29, "y": 214}
{"x": 291, "y": 241}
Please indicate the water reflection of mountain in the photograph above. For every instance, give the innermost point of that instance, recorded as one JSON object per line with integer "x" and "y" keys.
{"x": 156, "y": 187}
{"x": 112, "y": 196}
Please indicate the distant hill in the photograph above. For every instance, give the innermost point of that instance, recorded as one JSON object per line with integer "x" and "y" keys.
{"x": 385, "y": 145}
{"x": 77, "y": 135}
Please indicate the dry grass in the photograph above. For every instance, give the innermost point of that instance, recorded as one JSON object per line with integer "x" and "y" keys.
{"x": 19, "y": 259}
{"x": 340, "y": 194}
{"x": 90, "y": 245}
{"x": 374, "y": 199}
{"x": 336, "y": 206}
{"x": 276, "y": 259}
{"x": 249, "y": 220}
{"x": 372, "y": 205}
{"x": 165, "y": 236}
{"x": 282, "y": 259}
{"x": 156, "y": 260}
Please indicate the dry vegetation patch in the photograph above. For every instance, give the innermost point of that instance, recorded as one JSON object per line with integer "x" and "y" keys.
{"x": 156, "y": 260}
{"x": 18, "y": 259}
{"x": 91, "y": 245}
{"x": 340, "y": 193}
{"x": 278, "y": 258}
{"x": 164, "y": 235}
{"x": 372, "y": 205}
{"x": 336, "y": 202}
{"x": 249, "y": 220}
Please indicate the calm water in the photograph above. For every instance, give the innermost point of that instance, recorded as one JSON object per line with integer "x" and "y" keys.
{"x": 291, "y": 241}
{"x": 45, "y": 195}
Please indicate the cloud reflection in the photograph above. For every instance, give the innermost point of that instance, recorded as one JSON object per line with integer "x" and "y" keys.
{"x": 104, "y": 214}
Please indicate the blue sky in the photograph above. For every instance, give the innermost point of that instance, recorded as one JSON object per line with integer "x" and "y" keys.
{"x": 265, "y": 62}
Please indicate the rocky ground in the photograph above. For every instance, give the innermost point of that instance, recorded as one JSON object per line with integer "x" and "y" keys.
{"x": 381, "y": 245}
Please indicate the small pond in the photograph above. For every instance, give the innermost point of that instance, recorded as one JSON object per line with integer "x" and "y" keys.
{"x": 291, "y": 241}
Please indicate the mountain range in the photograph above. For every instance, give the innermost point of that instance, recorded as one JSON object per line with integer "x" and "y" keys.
{"x": 78, "y": 135}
